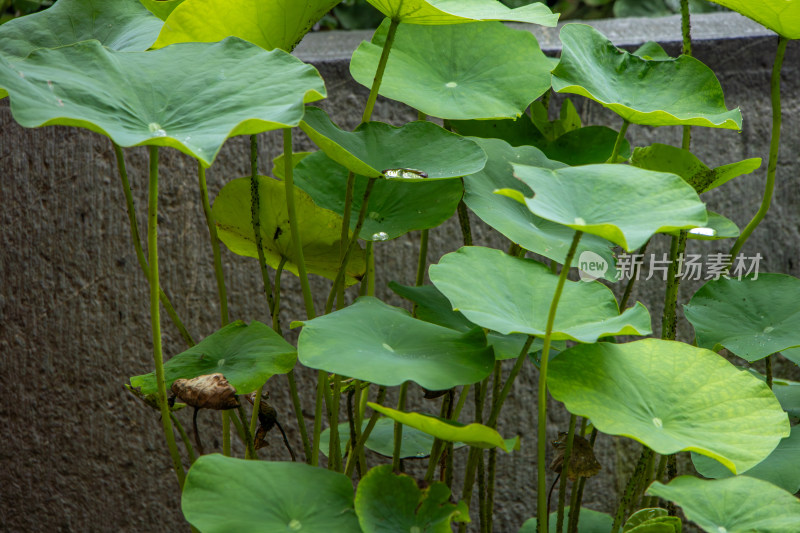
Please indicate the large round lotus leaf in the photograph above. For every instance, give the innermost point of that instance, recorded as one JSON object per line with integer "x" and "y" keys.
{"x": 395, "y": 206}
{"x": 645, "y": 389}
{"x": 376, "y": 146}
{"x": 740, "y": 504}
{"x": 388, "y": 503}
{"x": 374, "y": 342}
{"x": 680, "y": 91}
{"x": 516, "y": 132}
{"x": 437, "y": 12}
{"x": 781, "y": 16}
{"x": 442, "y": 73}
{"x": 161, "y": 97}
{"x": 266, "y": 24}
{"x": 118, "y": 24}
{"x": 473, "y": 434}
{"x": 432, "y": 306}
{"x": 161, "y": 8}
{"x": 792, "y": 354}
{"x": 320, "y": 229}
{"x": 607, "y": 200}
{"x": 781, "y": 468}
{"x": 248, "y": 355}
{"x": 415, "y": 443}
{"x": 589, "y": 522}
{"x": 752, "y": 318}
{"x": 224, "y": 494}
{"x": 512, "y": 295}
{"x": 667, "y": 158}
{"x": 513, "y": 219}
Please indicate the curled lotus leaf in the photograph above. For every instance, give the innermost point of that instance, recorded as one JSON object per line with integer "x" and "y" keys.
{"x": 211, "y": 391}
{"x": 781, "y": 16}
{"x": 653, "y": 92}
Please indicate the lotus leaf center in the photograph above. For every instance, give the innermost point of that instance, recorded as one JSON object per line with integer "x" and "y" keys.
{"x": 415, "y": 529}
{"x": 221, "y": 362}
{"x": 658, "y": 423}
{"x": 451, "y": 84}
{"x": 386, "y": 346}
{"x": 579, "y": 221}
{"x": 295, "y": 525}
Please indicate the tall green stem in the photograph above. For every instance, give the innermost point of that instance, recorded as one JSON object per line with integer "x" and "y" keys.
{"x": 348, "y": 207}
{"x": 376, "y": 82}
{"x": 638, "y": 472}
{"x": 618, "y": 144}
{"x": 335, "y": 449}
{"x": 212, "y": 234}
{"x": 155, "y": 316}
{"x": 541, "y": 436}
{"x": 562, "y": 487}
{"x": 398, "y": 428}
{"x": 137, "y": 244}
{"x": 669, "y": 320}
{"x": 463, "y": 221}
{"x": 362, "y": 214}
{"x": 255, "y": 220}
{"x": 352, "y": 459}
{"x": 297, "y": 242}
{"x": 498, "y": 367}
{"x": 773, "y": 149}
{"x": 187, "y": 443}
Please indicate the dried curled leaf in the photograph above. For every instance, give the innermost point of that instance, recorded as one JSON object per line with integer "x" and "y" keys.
{"x": 582, "y": 461}
{"x": 211, "y": 391}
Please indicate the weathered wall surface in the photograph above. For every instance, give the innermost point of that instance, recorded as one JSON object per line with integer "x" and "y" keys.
{"x": 79, "y": 454}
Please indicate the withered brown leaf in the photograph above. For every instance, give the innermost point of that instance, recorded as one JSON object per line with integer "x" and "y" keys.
{"x": 211, "y": 391}
{"x": 582, "y": 461}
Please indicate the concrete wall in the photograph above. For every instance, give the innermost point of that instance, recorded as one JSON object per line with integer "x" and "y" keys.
{"x": 79, "y": 454}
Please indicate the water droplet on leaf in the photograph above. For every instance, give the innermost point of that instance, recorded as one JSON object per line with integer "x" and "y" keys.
{"x": 380, "y": 236}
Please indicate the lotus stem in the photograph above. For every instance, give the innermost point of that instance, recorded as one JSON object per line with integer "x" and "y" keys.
{"x": 541, "y": 436}
{"x": 351, "y": 462}
{"x": 255, "y": 220}
{"x": 212, "y": 234}
{"x": 376, "y": 82}
{"x": 137, "y": 244}
{"x": 398, "y": 428}
{"x": 618, "y": 143}
{"x": 562, "y": 487}
{"x": 638, "y": 472}
{"x": 155, "y": 317}
{"x": 773, "y": 149}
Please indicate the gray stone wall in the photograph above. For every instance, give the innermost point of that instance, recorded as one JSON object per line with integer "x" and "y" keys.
{"x": 79, "y": 454}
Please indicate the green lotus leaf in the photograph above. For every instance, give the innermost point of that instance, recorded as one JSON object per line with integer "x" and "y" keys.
{"x": 376, "y": 146}
{"x": 652, "y": 50}
{"x": 434, "y": 307}
{"x": 512, "y": 295}
{"x": 269, "y": 25}
{"x": 752, "y": 318}
{"x": 320, "y": 229}
{"x": 607, "y": 200}
{"x": 415, "y": 443}
{"x": 395, "y": 206}
{"x": 788, "y": 393}
{"x": 387, "y": 503}
{"x": 514, "y": 220}
{"x": 442, "y": 73}
{"x": 781, "y": 16}
{"x": 590, "y": 521}
{"x": 224, "y": 494}
{"x": 161, "y": 8}
{"x": 153, "y": 98}
{"x": 279, "y": 163}
{"x": 586, "y": 146}
{"x": 473, "y": 434}
{"x": 717, "y": 227}
{"x": 437, "y": 12}
{"x": 792, "y": 354}
{"x": 781, "y": 468}
{"x": 582, "y": 146}
{"x": 667, "y": 158}
{"x": 248, "y": 355}
{"x": 644, "y": 389}
{"x": 740, "y": 504}
{"x": 652, "y": 520}
{"x": 375, "y": 342}
{"x": 516, "y": 132}
{"x": 123, "y": 25}
{"x": 677, "y": 92}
